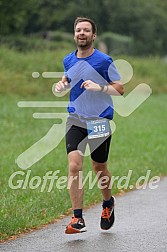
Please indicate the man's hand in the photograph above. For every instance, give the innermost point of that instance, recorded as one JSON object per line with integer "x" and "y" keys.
{"x": 90, "y": 85}
{"x": 62, "y": 85}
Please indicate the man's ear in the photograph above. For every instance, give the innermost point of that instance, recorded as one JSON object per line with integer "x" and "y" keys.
{"x": 94, "y": 36}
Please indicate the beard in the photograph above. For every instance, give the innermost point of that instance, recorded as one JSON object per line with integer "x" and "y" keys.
{"x": 86, "y": 43}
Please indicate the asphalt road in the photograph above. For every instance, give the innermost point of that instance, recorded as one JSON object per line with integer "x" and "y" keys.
{"x": 141, "y": 225}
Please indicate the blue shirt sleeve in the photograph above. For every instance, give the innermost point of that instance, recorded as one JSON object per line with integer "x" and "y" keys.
{"x": 65, "y": 68}
{"x": 110, "y": 72}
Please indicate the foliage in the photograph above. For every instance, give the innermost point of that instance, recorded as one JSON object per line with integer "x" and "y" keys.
{"x": 144, "y": 21}
{"x": 117, "y": 44}
{"x": 39, "y": 41}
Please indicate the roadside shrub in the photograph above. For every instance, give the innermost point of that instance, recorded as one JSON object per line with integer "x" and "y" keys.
{"x": 117, "y": 44}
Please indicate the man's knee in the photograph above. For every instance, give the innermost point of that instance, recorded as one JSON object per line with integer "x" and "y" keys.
{"x": 75, "y": 163}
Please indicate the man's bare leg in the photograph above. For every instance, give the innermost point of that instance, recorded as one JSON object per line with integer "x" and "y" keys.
{"x": 75, "y": 161}
{"x": 77, "y": 224}
{"x": 107, "y": 216}
{"x": 102, "y": 167}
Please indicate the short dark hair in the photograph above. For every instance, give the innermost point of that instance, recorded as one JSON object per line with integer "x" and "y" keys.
{"x": 85, "y": 19}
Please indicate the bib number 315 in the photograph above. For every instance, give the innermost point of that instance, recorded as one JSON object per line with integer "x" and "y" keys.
{"x": 98, "y": 128}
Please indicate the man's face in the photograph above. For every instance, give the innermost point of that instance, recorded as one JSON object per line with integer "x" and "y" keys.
{"x": 83, "y": 35}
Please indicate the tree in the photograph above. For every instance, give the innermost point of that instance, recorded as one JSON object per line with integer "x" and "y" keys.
{"x": 13, "y": 16}
{"x": 144, "y": 21}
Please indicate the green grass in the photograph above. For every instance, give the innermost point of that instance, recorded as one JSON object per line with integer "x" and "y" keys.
{"x": 138, "y": 144}
{"x": 16, "y": 71}
{"x": 151, "y": 70}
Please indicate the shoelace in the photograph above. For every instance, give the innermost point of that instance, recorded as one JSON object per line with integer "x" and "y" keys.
{"x": 74, "y": 219}
{"x": 106, "y": 213}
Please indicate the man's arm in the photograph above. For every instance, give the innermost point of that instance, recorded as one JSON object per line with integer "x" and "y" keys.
{"x": 114, "y": 88}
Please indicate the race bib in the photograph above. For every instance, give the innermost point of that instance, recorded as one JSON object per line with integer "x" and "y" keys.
{"x": 98, "y": 128}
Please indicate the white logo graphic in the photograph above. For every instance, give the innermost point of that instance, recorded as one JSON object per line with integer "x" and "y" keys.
{"x": 124, "y": 106}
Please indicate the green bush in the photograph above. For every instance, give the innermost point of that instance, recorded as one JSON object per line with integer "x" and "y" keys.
{"x": 38, "y": 41}
{"x": 117, "y": 44}
{"x": 60, "y": 36}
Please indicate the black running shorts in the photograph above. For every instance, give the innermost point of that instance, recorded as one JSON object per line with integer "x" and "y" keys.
{"x": 76, "y": 139}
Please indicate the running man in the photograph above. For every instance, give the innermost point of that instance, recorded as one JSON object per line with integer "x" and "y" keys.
{"x": 93, "y": 79}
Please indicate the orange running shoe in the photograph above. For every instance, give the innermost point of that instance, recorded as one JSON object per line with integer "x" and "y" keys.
{"x": 107, "y": 217}
{"x": 76, "y": 225}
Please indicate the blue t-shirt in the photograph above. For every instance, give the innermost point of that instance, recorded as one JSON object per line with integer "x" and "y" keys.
{"x": 99, "y": 68}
